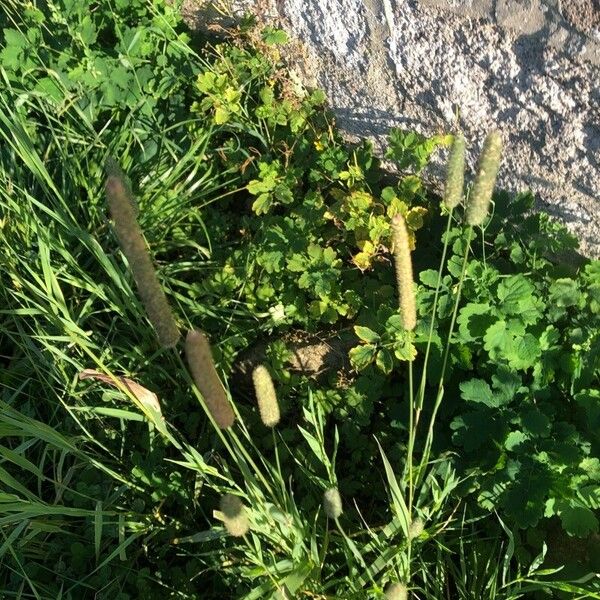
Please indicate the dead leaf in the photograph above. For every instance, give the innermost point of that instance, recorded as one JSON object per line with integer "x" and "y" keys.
{"x": 143, "y": 395}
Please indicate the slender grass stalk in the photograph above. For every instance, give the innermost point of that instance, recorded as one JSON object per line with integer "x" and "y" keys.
{"x": 133, "y": 245}
{"x": 477, "y": 209}
{"x": 453, "y": 194}
{"x": 202, "y": 367}
{"x": 266, "y": 396}
{"x": 440, "y": 391}
{"x": 408, "y": 309}
{"x": 421, "y": 394}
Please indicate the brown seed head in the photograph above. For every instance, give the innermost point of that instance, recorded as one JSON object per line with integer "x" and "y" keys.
{"x": 133, "y": 246}
{"x": 202, "y": 367}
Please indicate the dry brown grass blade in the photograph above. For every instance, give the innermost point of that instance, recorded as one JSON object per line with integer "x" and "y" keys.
{"x": 144, "y": 396}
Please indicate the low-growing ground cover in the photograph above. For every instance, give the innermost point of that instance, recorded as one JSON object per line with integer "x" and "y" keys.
{"x": 451, "y": 456}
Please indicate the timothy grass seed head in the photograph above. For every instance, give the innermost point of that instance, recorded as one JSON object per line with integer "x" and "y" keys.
{"x": 485, "y": 179}
{"x": 266, "y": 396}
{"x": 396, "y": 591}
{"x": 404, "y": 273}
{"x": 200, "y": 361}
{"x": 234, "y": 515}
{"x": 455, "y": 173}
{"x": 132, "y": 243}
{"x": 332, "y": 503}
{"x": 416, "y": 528}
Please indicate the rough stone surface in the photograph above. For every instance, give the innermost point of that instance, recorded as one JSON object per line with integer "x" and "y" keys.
{"x": 527, "y": 67}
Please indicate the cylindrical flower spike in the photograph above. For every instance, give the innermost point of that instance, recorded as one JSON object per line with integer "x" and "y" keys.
{"x": 404, "y": 274}
{"x": 114, "y": 170}
{"x": 133, "y": 245}
{"x": 485, "y": 179}
{"x": 266, "y": 396}
{"x": 202, "y": 367}
{"x": 416, "y": 528}
{"x": 396, "y": 591}
{"x": 332, "y": 503}
{"x": 455, "y": 173}
{"x": 234, "y": 515}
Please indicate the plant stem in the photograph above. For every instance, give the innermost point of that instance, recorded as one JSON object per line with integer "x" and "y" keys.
{"x": 440, "y": 392}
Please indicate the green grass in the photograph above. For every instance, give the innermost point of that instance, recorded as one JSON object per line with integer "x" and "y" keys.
{"x": 104, "y": 495}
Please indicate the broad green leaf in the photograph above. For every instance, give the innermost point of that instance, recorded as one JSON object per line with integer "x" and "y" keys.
{"x": 274, "y": 36}
{"x": 524, "y": 352}
{"x": 415, "y": 216}
{"x": 477, "y": 390}
{"x": 514, "y": 439}
{"x": 429, "y": 277}
{"x": 535, "y": 422}
{"x": 591, "y": 466}
{"x": 404, "y": 350}
{"x": 498, "y": 340}
{"x": 513, "y": 291}
{"x": 262, "y": 204}
{"x": 578, "y": 521}
{"x": 366, "y": 334}
{"x": 221, "y": 115}
{"x": 362, "y": 356}
{"x": 474, "y": 320}
{"x": 384, "y": 361}
{"x": 564, "y": 292}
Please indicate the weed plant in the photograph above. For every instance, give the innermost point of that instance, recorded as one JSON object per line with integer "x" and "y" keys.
{"x": 457, "y": 455}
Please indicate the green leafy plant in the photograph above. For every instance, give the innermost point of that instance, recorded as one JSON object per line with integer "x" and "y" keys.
{"x": 264, "y": 224}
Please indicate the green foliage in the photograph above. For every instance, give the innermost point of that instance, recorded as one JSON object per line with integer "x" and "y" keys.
{"x": 526, "y": 347}
{"x": 319, "y": 201}
{"x": 262, "y": 221}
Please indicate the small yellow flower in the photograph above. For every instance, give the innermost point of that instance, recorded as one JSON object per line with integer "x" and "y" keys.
{"x": 319, "y": 145}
